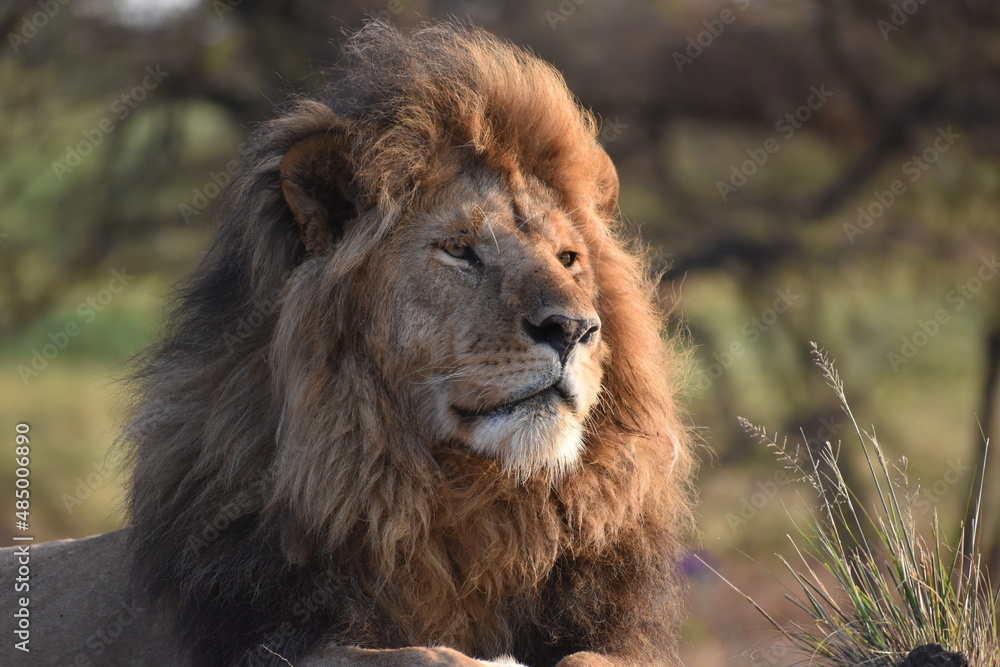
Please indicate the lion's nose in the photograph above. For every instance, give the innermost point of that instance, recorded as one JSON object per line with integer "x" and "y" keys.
{"x": 562, "y": 333}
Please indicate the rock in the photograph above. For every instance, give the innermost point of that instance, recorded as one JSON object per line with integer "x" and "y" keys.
{"x": 932, "y": 655}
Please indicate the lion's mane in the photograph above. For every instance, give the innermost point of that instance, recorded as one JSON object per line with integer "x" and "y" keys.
{"x": 279, "y": 497}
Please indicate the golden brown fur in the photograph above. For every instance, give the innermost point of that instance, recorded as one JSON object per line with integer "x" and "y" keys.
{"x": 356, "y": 448}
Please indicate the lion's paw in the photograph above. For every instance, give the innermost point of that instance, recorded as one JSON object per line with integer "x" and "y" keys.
{"x": 584, "y": 659}
{"x": 502, "y": 661}
{"x": 447, "y": 657}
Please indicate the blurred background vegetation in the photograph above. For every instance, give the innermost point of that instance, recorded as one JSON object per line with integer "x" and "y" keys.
{"x": 819, "y": 170}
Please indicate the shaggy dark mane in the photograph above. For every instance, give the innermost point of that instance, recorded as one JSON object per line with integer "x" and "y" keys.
{"x": 278, "y": 496}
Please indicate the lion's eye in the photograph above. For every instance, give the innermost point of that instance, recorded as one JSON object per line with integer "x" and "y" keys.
{"x": 567, "y": 258}
{"x": 458, "y": 250}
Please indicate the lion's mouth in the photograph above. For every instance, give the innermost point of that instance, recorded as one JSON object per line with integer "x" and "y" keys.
{"x": 544, "y": 397}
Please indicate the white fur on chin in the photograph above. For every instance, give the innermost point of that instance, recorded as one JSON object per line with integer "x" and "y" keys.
{"x": 528, "y": 444}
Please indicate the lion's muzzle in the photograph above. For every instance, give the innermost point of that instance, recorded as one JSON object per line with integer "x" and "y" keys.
{"x": 562, "y": 333}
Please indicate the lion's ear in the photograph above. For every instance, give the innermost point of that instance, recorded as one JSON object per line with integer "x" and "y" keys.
{"x": 316, "y": 183}
{"x": 607, "y": 187}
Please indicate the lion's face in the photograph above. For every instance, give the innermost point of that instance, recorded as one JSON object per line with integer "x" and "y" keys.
{"x": 495, "y": 339}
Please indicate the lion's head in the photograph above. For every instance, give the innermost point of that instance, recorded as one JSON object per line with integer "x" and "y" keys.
{"x": 417, "y": 346}
{"x": 478, "y": 310}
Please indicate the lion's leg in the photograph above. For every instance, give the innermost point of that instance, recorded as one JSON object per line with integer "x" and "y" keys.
{"x": 79, "y": 609}
{"x": 589, "y": 659}
{"x": 347, "y": 656}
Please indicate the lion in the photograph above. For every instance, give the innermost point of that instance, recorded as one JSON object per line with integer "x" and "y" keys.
{"x": 414, "y": 408}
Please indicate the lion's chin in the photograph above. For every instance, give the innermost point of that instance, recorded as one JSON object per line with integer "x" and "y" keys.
{"x": 528, "y": 444}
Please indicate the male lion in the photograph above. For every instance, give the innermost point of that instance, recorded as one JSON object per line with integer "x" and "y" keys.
{"x": 413, "y": 407}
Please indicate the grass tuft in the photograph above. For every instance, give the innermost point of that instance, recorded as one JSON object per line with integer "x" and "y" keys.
{"x": 873, "y": 585}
